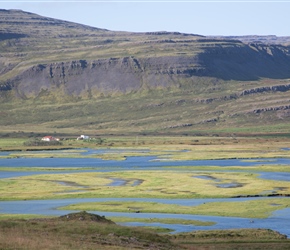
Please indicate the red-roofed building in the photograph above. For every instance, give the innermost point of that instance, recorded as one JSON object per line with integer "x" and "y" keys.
{"x": 49, "y": 138}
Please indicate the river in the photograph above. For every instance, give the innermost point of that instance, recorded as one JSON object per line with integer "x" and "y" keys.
{"x": 278, "y": 221}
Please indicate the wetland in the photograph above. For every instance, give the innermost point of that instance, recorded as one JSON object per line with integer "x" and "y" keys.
{"x": 152, "y": 186}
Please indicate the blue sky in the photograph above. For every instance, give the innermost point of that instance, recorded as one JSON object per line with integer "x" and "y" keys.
{"x": 236, "y": 17}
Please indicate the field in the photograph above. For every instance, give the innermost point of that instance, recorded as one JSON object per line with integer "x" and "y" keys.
{"x": 172, "y": 182}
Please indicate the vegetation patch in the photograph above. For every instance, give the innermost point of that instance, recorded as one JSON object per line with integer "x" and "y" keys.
{"x": 44, "y": 169}
{"x": 163, "y": 220}
{"x": 21, "y": 216}
{"x": 38, "y": 142}
{"x": 247, "y": 209}
{"x": 154, "y": 184}
{"x": 232, "y": 239}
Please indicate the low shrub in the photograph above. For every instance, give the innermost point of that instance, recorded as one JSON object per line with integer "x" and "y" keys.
{"x": 38, "y": 142}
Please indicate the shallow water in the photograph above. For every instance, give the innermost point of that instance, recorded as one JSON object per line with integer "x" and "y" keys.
{"x": 219, "y": 182}
{"x": 130, "y": 162}
{"x": 278, "y": 221}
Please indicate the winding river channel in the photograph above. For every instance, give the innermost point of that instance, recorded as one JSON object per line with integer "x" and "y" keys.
{"x": 279, "y": 220}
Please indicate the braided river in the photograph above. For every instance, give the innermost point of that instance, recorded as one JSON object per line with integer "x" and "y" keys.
{"x": 279, "y": 220}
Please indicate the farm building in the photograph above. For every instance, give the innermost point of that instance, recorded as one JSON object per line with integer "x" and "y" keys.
{"x": 49, "y": 138}
{"x": 83, "y": 137}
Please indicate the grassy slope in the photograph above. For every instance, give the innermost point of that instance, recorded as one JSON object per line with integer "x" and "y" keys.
{"x": 76, "y": 231}
{"x": 168, "y": 110}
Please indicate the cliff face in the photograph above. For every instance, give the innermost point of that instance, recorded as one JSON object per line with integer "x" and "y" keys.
{"x": 247, "y": 62}
{"x": 104, "y": 76}
{"x": 40, "y": 54}
{"x": 123, "y": 75}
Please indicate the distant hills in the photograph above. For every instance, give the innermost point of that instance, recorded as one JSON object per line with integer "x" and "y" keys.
{"x": 139, "y": 82}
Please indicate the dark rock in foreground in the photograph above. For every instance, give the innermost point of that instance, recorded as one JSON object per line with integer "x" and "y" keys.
{"x": 84, "y": 216}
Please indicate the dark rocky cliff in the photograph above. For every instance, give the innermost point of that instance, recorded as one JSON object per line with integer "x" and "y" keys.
{"x": 88, "y": 78}
{"x": 247, "y": 62}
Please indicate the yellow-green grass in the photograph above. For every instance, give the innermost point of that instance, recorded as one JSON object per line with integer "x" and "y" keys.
{"x": 250, "y": 169}
{"x": 232, "y": 239}
{"x": 253, "y": 149}
{"x": 72, "y": 153}
{"x": 45, "y": 169}
{"x": 7, "y": 143}
{"x": 162, "y": 220}
{"x": 261, "y": 208}
{"x": 22, "y": 216}
{"x": 159, "y": 230}
{"x": 140, "y": 115}
{"x": 154, "y": 184}
{"x": 44, "y": 155}
{"x": 115, "y": 157}
{"x": 237, "y": 234}
{"x": 204, "y": 169}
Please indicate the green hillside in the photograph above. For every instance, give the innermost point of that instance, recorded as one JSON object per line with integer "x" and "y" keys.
{"x": 62, "y": 77}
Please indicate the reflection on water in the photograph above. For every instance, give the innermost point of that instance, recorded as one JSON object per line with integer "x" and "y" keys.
{"x": 117, "y": 182}
{"x": 220, "y": 183}
{"x": 229, "y": 185}
{"x": 273, "y": 191}
{"x": 137, "y": 183}
{"x": 70, "y": 183}
{"x": 205, "y": 177}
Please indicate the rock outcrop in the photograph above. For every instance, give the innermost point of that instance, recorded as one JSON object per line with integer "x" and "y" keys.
{"x": 104, "y": 76}
{"x": 127, "y": 74}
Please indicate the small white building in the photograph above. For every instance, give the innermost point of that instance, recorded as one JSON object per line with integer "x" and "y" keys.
{"x": 83, "y": 137}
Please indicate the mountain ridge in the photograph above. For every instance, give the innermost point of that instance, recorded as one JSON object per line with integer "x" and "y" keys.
{"x": 171, "y": 81}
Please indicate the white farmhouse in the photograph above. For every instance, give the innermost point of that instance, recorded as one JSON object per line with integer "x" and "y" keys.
{"x": 83, "y": 137}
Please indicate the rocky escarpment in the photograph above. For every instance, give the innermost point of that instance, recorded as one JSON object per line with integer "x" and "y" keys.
{"x": 253, "y": 91}
{"x": 276, "y": 88}
{"x": 235, "y": 61}
{"x": 247, "y": 62}
{"x": 284, "y": 107}
{"x": 267, "y": 39}
{"x": 104, "y": 76}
